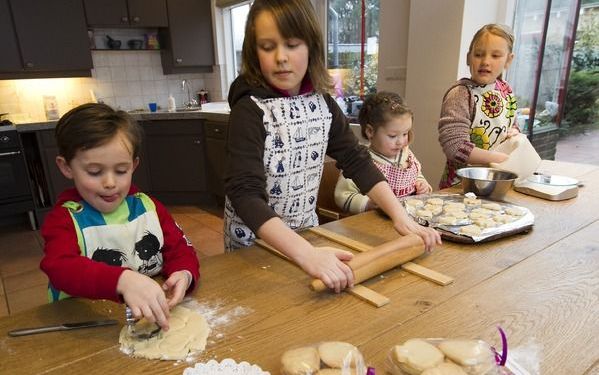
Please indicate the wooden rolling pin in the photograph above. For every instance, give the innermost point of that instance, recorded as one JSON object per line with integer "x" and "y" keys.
{"x": 380, "y": 259}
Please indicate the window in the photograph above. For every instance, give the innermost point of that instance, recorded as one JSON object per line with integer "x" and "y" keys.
{"x": 544, "y": 39}
{"x": 234, "y": 18}
{"x": 352, "y": 50}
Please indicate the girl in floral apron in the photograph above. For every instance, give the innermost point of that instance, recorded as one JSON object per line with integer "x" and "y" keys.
{"x": 387, "y": 124}
{"x": 478, "y": 113}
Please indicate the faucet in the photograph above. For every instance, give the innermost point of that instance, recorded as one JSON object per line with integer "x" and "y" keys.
{"x": 190, "y": 102}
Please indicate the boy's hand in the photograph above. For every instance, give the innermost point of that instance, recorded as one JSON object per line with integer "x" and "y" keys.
{"x": 422, "y": 187}
{"x": 145, "y": 297}
{"x": 326, "y": 264}
{"x": 175, "y": 287}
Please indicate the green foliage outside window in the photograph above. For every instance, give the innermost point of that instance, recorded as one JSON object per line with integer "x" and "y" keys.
{"x": 582, "y": 101}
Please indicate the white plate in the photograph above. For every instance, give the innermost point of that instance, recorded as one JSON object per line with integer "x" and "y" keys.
{"x": 553, "y": 180}
{"x": 225, "y": 367}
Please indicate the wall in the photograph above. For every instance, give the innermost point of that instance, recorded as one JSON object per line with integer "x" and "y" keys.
{"x": 128, "y": 80}
{"x": 394, "y": 23}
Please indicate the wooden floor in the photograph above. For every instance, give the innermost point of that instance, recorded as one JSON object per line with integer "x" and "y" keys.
{"x": 23, "y": 285}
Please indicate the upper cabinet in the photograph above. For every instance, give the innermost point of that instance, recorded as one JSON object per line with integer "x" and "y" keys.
{"x": 189, "y": 44}
{"x": 11, "y": 56}
{"x": 43, "y": 38}
{"x": 121, "y": 13}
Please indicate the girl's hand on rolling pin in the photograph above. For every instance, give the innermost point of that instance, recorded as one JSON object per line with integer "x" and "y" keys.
{"x": 430, "y": 236}
{"x": 326, "y": 264}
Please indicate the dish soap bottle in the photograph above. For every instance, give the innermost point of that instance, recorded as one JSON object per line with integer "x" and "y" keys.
{"x": 172, "y": 107}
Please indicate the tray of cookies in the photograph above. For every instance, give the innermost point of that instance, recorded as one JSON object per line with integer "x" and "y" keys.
{"x": 468, "y": 218}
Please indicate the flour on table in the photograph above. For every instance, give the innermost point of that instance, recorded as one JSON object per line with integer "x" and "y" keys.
{"x": 188, "y": 333}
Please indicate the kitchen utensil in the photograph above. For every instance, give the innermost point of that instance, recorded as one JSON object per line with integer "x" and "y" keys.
{"x": 553, "y": 180}
{"x": 131, "y": 322}
{"x": 537, "y": 186}
{"x": 381, "y": 258}
{"x": 113, "y": 43}
{"x": 135, "y": 43}
{"x": 486, "y": 182}
{"x": 61, "y": 327}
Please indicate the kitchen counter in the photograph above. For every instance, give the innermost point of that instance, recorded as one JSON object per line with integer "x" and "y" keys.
{"x": 540, "y": 287}
{"x": 212, "y": 115}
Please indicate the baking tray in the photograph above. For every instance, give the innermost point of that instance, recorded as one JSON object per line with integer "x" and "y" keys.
{"x": 521, "y": 224}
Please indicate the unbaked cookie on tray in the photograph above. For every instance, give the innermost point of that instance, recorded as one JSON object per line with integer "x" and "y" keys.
{"x": 468, "y": 218}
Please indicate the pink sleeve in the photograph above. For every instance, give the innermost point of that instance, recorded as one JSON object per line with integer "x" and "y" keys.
{"x": 454, "y": 124}
{"x": 178, "y": 253}
{"x": 67, "y": 269}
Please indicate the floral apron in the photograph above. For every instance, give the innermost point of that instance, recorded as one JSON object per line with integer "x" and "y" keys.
{"x": 494, "y": 114}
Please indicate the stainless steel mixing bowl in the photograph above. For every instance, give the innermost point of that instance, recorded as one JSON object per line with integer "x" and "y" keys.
{"x": 486, "y": 182}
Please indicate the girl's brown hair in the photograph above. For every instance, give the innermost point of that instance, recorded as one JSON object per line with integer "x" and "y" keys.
{"x": 294, "y": 19}
{"x": 380, "y": 108}
{"x": 92, "y": 125}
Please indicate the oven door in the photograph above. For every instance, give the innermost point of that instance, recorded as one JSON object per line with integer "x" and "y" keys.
{"x": 14, "y": 183}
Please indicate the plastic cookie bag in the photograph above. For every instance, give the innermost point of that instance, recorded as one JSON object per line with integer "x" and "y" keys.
{"x": 325, "y": 358}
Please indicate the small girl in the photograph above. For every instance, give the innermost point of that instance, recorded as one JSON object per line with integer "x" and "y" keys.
{"x": 104, "y": 239}
{"x": 387, "y": 124}
{"x": 282, "y": 123}
{"x": 478, "y": 113}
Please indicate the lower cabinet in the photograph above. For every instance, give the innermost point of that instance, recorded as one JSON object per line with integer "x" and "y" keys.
{"x": 216, "y": 153}
{"x": 174, "y": 153}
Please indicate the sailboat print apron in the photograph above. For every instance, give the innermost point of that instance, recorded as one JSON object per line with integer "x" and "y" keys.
{"x": 297, "y": 134}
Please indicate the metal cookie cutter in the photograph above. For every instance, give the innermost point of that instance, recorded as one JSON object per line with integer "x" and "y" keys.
{"x": 131, "y": 321}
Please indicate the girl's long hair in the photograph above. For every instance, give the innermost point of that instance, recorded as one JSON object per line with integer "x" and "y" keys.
{"x": 294, "y": 19}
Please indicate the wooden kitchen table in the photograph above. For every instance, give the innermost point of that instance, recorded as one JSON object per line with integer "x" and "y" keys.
{"x": 542, "y": 288}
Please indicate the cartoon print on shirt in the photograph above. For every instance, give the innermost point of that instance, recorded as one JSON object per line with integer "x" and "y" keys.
{"x": 299, "y": 135}
{"x": 297, "y": 184}
{"x": 294, "y": 111}
{"x": 277, "y": 141}
{"x": 112, "y": 257}
{"x": 280, "y": 166}
{"x": 147, "y": 249}
{"x": 240, "y": 233}
{"x": 313, "y": 131}
{"x": 297, "y": 160}
{"x": 276, "y": 189}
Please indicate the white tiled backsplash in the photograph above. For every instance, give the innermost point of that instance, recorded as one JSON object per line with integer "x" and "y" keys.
{"x": 125, "y": 79}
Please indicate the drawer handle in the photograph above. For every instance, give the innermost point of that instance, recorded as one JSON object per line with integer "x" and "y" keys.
{"x": 10, "y": 153}
{"x": 124, "y": 19}
{"x": 197, "y": 142}
{"x": 179, "y": 60}
{"x": 135, "y": 19}
{"x": 217, "y": 130}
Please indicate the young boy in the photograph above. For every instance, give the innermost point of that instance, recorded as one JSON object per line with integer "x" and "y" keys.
{"x": 104, "y": 238}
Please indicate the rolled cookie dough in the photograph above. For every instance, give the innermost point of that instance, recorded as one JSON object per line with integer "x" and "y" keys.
{"x": 188, "y": 333}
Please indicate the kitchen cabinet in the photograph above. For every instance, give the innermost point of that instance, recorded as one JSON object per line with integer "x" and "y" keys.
{"x": 119, "y": 13}
{"x": 216, "y": 154}
{"x": 11, "y": 56}
{"x": 176, "y": 162}
{"x": 188, "y": 45}
{"x": 43, "y": 38}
